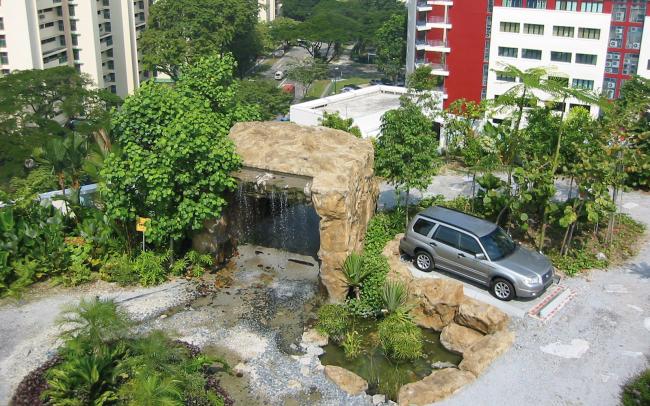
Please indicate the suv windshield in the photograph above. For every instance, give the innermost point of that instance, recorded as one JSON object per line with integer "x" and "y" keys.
{"x": 498, "y": 244}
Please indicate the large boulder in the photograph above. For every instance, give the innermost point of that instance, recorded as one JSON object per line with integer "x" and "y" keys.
{"x": 437, "y": 302}
{"x": 399, "y": 270}
{"x": 481, "y": 316}
{"x": 343, "y": 189}
{"x": 457, "y": 338}
{"x": 312, "y": 337}
{"x": 350, "y": 382}
{"x": 481, "y": 354}
{"x": 435, "y": 387}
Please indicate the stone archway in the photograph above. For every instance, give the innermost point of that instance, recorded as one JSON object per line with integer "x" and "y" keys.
{"x": 344, "y": 190}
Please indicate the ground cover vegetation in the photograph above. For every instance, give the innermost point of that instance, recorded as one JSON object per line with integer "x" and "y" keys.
{"x": 637, "y": 390}
{"x": 141, "y": 159}
{"x": 102, "y": 362}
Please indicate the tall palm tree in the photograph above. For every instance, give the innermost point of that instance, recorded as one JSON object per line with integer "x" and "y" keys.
{"x": 66, "y": 157}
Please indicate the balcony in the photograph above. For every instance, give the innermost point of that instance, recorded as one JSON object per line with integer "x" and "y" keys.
{"x": 442, "y": 2}
{"x": 432, "y": 45}
{"x": 423, "y": 5}
{"x": 432, "y": 22}
{"x": 437, "y": 69}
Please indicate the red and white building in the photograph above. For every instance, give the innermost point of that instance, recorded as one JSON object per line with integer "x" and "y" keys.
{"x": 594, "y": 44}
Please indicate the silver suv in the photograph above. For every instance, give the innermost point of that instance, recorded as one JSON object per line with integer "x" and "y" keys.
{"x": 478, "y": 250}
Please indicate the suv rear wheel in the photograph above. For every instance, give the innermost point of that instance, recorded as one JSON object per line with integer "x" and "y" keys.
{"x": 423, "y": 261}
{"x": 503, "y": 289}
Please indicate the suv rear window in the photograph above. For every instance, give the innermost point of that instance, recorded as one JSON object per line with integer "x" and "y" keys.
{"x": 423, "y": 226}
{"x": 447, "y": 236}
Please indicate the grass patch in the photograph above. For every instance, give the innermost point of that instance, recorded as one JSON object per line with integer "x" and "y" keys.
{"x": 317, "y": 89}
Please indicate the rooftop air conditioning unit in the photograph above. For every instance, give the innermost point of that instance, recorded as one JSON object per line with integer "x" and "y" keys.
{"x": 636, "y": 45}
{"x": 611, "y": 85}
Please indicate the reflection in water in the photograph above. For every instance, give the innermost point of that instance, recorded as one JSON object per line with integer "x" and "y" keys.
{"x": 282, "y": 219}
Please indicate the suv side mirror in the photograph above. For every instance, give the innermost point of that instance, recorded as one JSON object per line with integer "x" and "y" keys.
{"x": 481, "y": 256}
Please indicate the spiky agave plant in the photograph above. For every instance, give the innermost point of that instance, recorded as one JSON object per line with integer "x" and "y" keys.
{"x": 355, "y": 273}
{"x": 394, "y": 295}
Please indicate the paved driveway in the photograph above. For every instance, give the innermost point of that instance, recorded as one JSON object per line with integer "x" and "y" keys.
{"x": 585, "y": 352}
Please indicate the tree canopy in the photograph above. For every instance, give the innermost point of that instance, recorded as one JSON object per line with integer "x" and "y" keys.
{"x": 334, "y": 120}
{"x": 271, "y": 100}
{"x": 180, "y": 32}
{"x": 176, "y": 159}
{"x": 390, "y": 40}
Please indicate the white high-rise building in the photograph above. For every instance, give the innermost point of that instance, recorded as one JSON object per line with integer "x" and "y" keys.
{"x": 268, "y": 10}
{"x": 98, "y": 37}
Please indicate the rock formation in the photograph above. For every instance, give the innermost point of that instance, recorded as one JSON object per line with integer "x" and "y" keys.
{"x": 344, "y": 190}
{"x": 350, "y": 382}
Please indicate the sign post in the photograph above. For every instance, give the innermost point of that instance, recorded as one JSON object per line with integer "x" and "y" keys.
{"x": 141, "y": 226}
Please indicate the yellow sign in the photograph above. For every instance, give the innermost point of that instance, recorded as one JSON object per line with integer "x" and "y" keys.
{"x": 141, "y": 224}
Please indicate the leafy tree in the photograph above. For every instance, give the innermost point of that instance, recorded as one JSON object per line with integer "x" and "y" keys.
{"x": 53, "y": 102}
{"x": 298, "y": 9}
{"x": 180, "y": 32}
{"x": 66, "y": 158}
{"x": 283, "y": 31}
{"x": 323, "y": 33}
{"x": 421, "y": 79}
{"x": 334, "y": 120}
{"x": 271, "y": 100}
{"x": 307, "y": 72}
{"x": 406, "y": 153}
{"x": 176, "y": 157}
{"x": 390, "y": 40}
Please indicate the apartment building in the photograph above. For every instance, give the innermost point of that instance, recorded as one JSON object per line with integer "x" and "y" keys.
{"x": 590, "y": 44}
{"x": 268, "y": 10}
{"x": 98, "y": 37}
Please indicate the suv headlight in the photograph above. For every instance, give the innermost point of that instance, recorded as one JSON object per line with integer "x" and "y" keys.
{"x": 533, "y": 281}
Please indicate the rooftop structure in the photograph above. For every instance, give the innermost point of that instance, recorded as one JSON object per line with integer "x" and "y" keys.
{"x": 364, "y": 106}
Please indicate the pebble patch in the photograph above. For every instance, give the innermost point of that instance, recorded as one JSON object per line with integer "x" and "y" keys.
{"x": 576, "y": 349}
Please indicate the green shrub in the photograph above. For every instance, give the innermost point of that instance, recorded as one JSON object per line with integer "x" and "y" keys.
{"x": 193, "y": 264}
{"x": 400, "y": 337}
{"x": 352, "y": 344}
{"x": 151, "y": 268}
{"x": 119, "y": 269}
{"x": 637, "y": 391}
{"x": 333, "y": 320}
{"x": 576, "y": 261}
{"x": 394, "y": 295}
{"x": 355, "y": 273}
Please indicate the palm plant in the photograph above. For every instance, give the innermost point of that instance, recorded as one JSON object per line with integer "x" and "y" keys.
{"x": 152, "y": 389}
{"x": 155, "y": 352}
{"x": 394, "y": 295}
{"x": 355, "y": 273}
{"x": 96, "y": 321}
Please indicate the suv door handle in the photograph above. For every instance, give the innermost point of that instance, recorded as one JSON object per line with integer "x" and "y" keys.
{"x": 460, "y": 254}
{"x": 433, "y": 244}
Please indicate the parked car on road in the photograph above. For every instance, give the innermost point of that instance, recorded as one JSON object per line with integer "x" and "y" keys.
{"x": 374, "y": 82}
{"x": 279, "y": 75}
{"x": 477, "y": 250}
{"x": 350, "y": 88}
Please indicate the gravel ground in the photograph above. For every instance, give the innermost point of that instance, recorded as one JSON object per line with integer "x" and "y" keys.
{"x": 28, "y": 330}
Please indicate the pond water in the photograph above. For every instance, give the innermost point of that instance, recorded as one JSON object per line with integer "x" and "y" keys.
{"x": 384, "y": 375}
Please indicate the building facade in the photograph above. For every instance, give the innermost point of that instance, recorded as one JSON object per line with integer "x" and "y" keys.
{"x": 268, "y": 10}
{"x": 590, "y": 44}
{"x": 98, "y": 37}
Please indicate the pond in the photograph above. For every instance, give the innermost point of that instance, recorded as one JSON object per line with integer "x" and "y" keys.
{"x": 384, "y": 375}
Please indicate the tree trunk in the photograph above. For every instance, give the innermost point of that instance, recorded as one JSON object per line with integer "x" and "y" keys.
{"x": 357, "y": 292}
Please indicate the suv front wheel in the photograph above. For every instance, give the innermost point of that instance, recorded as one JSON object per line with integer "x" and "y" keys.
{"x": 423, "y": 261}
{"x": 503, "y": 289}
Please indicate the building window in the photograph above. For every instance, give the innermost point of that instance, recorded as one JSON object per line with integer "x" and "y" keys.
{"x": 71, "y": 10}
{"x": 613, "y": 62}
{"x": 637, "y": 12}
{"x": 73, "y": 25}
{"x": 531, "y": 54}
{"x": 59, "y": 11}
{"x": 488, "y": 26}
{"x": 616, "y": 37}
{"x": 592, "y": 6}
{"x": 509, "y": 27}
{"x": 509, "y": 52}
{"x": 2, "y": 24}
{"x": 589, "y": 33}
{"x": 4, "y": 58}
{"x": 618, "y": 12}
{"x": 75, "y": 40}
{"x": 609, "y": 87}
{"x": 586, "y": 59}
{"x": 48, "y": 40}
{"x": 486, "y": 52}
{"x": 630, "y": 64}
{"x": 110, "y": 65}
{"x": 61, "y": 26}
{"x": 512, "y": 3}
{"x": 561, "y": 56}
{"x": 62, "y": 40}
{"x": 536, "y": 29}
{"x": 536, "y": 3}
{"x": 566, "y": 5}
{"x": 634, "y": 35}
{"x": 583, "y": 84}
{"x": 3, "y": 41}
{"x": 486, "y": 70}
{"x": 75, "y": 54}
{"x": 564, "y": 82}
{"x": 648, "y": 67}
{"x": 562, "y": 31}
{"x": 505, "y": 78}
